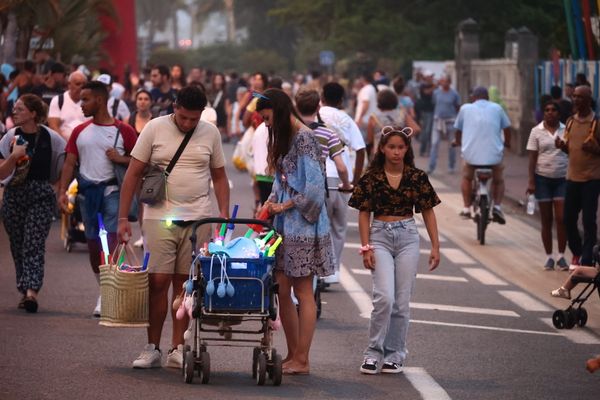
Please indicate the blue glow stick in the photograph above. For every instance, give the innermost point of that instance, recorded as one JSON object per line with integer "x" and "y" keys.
{"x": 146, "y": 259}
{"x": 103, "y": 238}
{"x": 231, "y": 226}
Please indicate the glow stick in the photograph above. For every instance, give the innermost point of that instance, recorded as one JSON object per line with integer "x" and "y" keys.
{"x": 231, "y": 226}
{"x": 146, "y": 260}
{"x": 103, "y": 238}
{"x": 274, "y": 247}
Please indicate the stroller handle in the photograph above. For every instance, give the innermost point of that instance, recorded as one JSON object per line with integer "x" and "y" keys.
{"x": 216, "y": 220}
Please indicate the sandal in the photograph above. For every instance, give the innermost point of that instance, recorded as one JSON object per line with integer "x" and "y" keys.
{"x": 562, "y": 293}
{"x": 30, "y": 303}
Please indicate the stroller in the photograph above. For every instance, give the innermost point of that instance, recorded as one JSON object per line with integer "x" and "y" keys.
{"x": 576, "y": 314}
{"x": 245, "y": 292}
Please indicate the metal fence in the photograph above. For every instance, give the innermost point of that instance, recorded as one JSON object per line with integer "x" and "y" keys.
{"x": 561, "y": 72}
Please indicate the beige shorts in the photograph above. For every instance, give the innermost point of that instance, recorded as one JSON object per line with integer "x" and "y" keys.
{"x": 469, "y": 172}
{"x": 170, "y": 247}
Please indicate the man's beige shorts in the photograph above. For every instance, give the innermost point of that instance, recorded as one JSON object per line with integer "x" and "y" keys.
{"x": 170, "y": 247}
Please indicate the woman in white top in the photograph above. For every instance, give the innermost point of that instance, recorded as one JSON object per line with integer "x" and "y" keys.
{"x": 547, "y": 181}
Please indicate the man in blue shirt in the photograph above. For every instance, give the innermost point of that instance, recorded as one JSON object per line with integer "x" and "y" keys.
{"x": 447, "y": 103}
{"x": 479, "y": 128}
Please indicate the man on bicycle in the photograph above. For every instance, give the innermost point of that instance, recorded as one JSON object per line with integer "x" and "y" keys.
{"x": 479, "y": 126}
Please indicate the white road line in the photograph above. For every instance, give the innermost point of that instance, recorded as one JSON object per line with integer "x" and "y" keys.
{"x": 486, "y": 328}
{"x": 436, "y": 183}
{"x": 457, "y": 256}
{"x": 356, "y": 292}
{"x": 360, "y": 271}
{"x": 525, "y": 301}
{"x": 425, "y": 236}
{"x": 484, "y": 276}
{"x": 425, "y": 384}
{"x": 467, "y": 310}
{"x": 352, "y": 224}
{"x": 447, "y": 278}
{"x": 575, "y": 335}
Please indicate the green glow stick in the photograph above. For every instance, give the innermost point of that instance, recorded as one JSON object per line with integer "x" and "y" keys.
{"x": 274, "y": 247}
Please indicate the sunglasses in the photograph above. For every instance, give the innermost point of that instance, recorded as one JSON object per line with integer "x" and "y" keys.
{"x": 551, "y": 109}
{"x": 386, "y": 130}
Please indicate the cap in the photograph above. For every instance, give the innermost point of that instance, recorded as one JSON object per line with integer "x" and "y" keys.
{"x": 104, "y": 78}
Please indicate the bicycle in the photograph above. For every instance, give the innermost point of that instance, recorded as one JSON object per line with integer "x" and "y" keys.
{"x": 481, "y": 200}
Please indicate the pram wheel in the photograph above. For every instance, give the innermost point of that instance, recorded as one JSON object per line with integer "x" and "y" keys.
{"x": 261, "y": 369}
{"x": 204, "y": 370}
{"x": 571, "y": 318}
{"x": 255, "y": 354}
{"x": 582, "y": 317}
{"x": 559, "y": 319}
{"x": 276, "y": 372}
{"x": 188, "y": 366}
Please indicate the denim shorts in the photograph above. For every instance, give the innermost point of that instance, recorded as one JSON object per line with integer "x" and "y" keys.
{"x": 548, "y": 189}
{"x": 110, "y": 215}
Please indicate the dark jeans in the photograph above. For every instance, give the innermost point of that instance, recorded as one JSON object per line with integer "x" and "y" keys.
{"x": 582, "y": 197}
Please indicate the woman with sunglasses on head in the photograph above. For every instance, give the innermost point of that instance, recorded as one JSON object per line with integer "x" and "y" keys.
{"x": 390, "y": 189}
{"x": 547, "y": 180}
{"x": 31, "y": 155}
{"x": 298, "y": 203}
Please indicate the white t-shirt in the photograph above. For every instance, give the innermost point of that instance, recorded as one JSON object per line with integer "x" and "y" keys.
{"x": 348, "y": 132}
{"x": 209, "y": 115}
{"x": 123, "y": 112}
{"x": 260, "y": 140}
{"x": 551, "y": 162}
{"x": 70, "y": 114}
{"x": 366, "y": 93}
{"x": 188, "y": 185}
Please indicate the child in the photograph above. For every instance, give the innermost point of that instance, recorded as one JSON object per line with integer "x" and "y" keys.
{"x": 565, "y": 290}
{"x": 390, "y": 189}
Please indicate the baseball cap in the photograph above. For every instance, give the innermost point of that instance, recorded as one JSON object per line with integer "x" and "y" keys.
{"x": 104, "y": 78}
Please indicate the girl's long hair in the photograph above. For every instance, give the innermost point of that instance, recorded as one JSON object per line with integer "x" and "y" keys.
{"x": 379, "y": 159}
{"x": 281, "y": 130}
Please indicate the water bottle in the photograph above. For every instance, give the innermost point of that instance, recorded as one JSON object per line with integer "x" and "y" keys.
{"x": 530, "y": 204}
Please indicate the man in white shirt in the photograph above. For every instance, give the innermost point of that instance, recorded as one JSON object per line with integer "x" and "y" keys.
{"x": 366, "y": 102}
{"x": 116, "y": 108}
{"x": 337, "y": 203}
{"x": 65, "y": 112}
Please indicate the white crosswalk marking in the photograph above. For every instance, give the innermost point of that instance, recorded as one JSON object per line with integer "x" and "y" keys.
{"x": 432, "y": 277}
{"x": 525, "y": 301}
{"x": 484, "y": 276}
{"x": 425, "y": 236}
{"x": 425, "y": 384}
{"x": 483, "y": 327}
{"x": 457, "y": 256}
{"x": 467, "y": 310}
{"x": 356, "y": 292}
{"x": 575, "y": 335}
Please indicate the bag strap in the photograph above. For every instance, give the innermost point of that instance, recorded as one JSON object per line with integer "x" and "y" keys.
{"x": 118, "y": 133}
{"x": 115, "y": 107}
{"x": 61, "y": 100}
{"x": 184, "y": 143}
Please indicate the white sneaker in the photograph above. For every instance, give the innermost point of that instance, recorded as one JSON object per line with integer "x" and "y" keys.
{"x": 96, "y": 313}
{"x": 335, "y": 278}
{"x": 139, "y": 242}
{"x": 175, "y": 358}
{"x": 149, "y": 358}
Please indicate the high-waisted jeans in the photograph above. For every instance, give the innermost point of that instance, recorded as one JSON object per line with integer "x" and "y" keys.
{"x": 396, "y": 257}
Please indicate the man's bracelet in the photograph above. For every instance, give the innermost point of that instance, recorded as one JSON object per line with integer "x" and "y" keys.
{"x": 127, "y": 219}
{"x": 365, "y": 248}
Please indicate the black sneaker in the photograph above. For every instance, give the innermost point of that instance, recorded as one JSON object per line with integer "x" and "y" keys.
{"x": 369, "y": 366}
{"x": 391, "y": 368}
{"x": 498, "y": 216}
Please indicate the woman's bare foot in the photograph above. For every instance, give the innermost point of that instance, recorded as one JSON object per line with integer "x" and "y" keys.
{"x": 295, "y": 368}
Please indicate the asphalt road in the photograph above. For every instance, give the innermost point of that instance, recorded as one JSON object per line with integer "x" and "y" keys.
{"x": 480, "y": 329}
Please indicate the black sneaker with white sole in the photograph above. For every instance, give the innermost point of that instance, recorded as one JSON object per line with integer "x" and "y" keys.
{"x": 369, "y": 366}
{"x": 498, "y": 216}
{"x": 391, "y": 368}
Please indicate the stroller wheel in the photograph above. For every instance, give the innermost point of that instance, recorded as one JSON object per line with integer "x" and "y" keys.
{"x": 559, "y": 319}
{"x": 277, "y": 369}
{"x": 261, "y": 369}
{"x": 204, "y": 367}
{"x": 582, "y": 317}
{"x": 188, "y": 367}
{"x": 255, "y": 354}
{"x": 318, "y": 302}
{"x": 571, "y": 318}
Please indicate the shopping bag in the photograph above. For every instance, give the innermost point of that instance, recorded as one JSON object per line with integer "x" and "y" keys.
{"x": 124, "y": 291}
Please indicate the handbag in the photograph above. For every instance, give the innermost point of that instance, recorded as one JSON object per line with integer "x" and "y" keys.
{"x": 125, "y": 293}
{"x": 154, "y": 182}
{"x": 120, "y": 170}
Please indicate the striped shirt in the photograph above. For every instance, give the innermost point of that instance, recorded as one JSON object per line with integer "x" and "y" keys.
{"x": 331, "y": 145}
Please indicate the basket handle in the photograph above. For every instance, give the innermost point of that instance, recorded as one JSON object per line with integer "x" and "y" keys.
{"x": 121, "y": 251}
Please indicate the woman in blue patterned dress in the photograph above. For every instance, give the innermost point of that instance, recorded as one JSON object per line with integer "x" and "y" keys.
{"x": 298, "y": 203}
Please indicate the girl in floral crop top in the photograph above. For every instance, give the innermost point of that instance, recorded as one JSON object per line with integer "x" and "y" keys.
{"x": 389, "y": 190}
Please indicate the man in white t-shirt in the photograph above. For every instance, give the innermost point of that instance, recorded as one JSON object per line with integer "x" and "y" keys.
{"x": 366, "y": 102}
{"x": 117, "y": 108}
{"x": 96, "y": 145}
{"x": 337, "y": 203}
{"x": 168, "y": 224}
{"x": 65, "y": 112}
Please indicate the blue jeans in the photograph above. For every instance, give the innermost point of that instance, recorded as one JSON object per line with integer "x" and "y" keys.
{"x": 426, "y": 122}
{"x": 396, "y": 257}
{"x": 110, "y": 214}
{"x": 436, "y": 137}
{"x": 582, "y": 197}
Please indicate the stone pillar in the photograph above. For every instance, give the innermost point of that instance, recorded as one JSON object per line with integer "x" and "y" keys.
{"x": 527, "y": 59}
{"x": 466, "y": 48}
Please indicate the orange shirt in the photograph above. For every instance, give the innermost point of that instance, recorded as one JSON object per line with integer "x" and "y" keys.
{"x": 583, "y": 165}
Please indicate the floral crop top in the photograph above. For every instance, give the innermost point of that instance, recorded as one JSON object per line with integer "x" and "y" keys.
{"x": 373, "y": 193}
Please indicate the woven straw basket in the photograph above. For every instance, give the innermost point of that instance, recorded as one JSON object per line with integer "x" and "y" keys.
{"x": 124, "y": 298}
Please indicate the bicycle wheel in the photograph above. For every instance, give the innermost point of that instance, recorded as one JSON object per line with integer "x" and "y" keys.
{"x": 484, "y": 215}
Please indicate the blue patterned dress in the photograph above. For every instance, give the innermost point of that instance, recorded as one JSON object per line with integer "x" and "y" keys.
{"x": 306, "y": 248}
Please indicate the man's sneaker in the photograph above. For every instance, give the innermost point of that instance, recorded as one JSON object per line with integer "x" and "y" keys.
{"x": 575, "y": 262}
{"x": 549, "y": 266}
{"x": 562, "y": 264}
{"x": 175, "y": 357}
{"x": 369, "y": 366}
{"x": 465, "y": 214}
{"x": 562, "y": 293}
{"x": 391, "y": 368}
{"x": 335, "y": 278}
{"x": 149, "y": 358}
{"x": 96, "y": 313}
{"x": 498, "y": 216}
